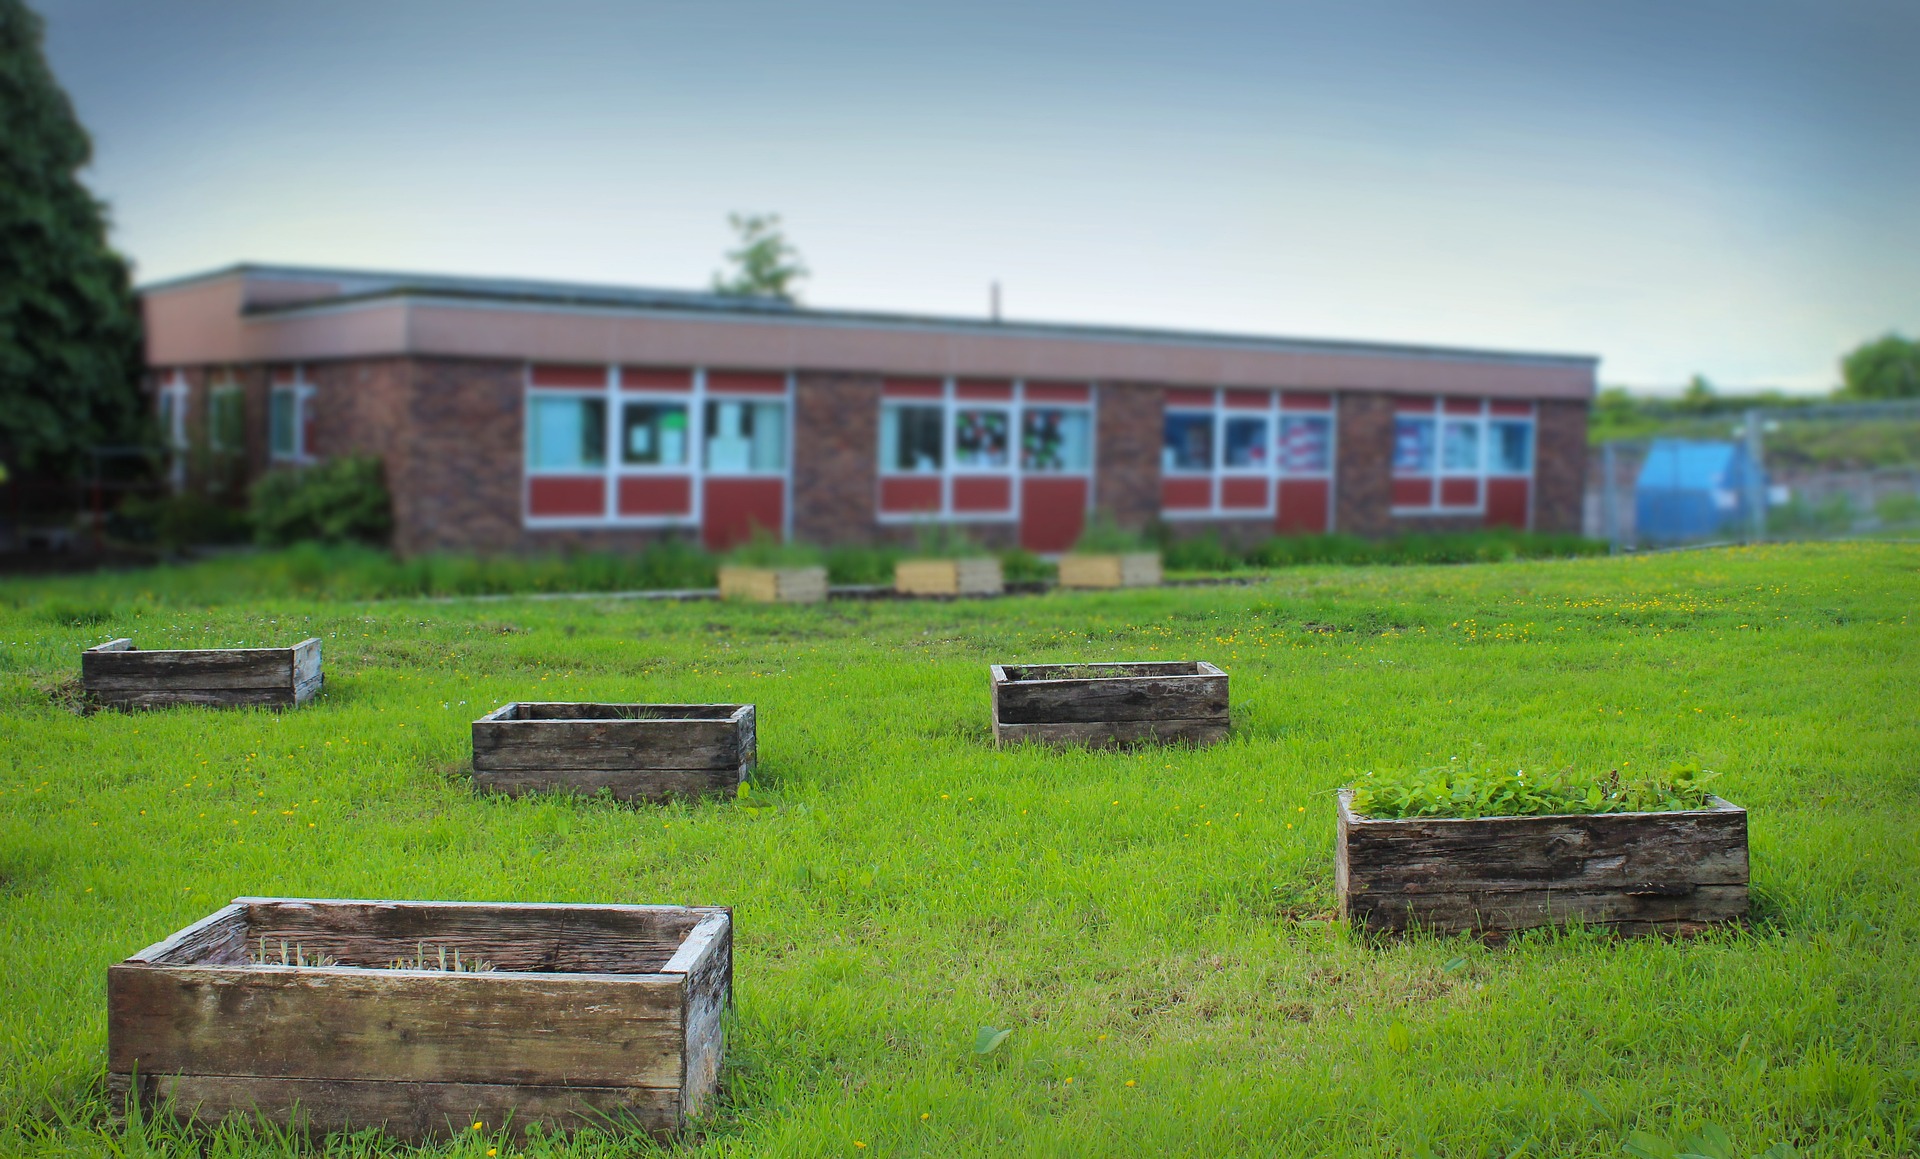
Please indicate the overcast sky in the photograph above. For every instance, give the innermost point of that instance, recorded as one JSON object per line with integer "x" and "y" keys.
{"x": 1731, "y": 189}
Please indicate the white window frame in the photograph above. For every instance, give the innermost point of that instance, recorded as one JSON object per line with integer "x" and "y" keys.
{"x": 225, "y": 387}
{"x": 170, "y": 405}
{"x": 1274, "y": 413}
{"x": 1016, "y": 408}
{"x": 614, "y": 468}
{"x": 302, "y": 392}
{"x": 1483, "y": 421}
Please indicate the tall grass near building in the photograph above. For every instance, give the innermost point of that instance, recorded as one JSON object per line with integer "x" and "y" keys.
{"x": 1153, "y": 926}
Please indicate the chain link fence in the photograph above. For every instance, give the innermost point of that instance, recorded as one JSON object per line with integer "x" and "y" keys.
{"x": 1815, "y": 471}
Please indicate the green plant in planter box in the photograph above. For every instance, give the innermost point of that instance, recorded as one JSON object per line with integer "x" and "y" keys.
{"x": 1104, "y": 536}
{"x": 935, "y": 540}
{"x": 1468, "y": 790}
{"x": 763, "y": 550}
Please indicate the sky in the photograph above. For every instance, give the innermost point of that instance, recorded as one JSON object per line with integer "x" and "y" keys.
{"x": 1726, "y": 189}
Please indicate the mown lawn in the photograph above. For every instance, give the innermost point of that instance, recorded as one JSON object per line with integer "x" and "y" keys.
{"x": 1153, "y": 925}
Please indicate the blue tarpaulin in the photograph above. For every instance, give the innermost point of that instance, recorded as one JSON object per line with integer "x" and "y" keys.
{"x": 1691, "y": 490}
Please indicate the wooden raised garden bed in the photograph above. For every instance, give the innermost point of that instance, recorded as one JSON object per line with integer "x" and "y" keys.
{"x": 1109, "y": 704}
{"x": 1634, "y": 872}
{"x": 589, "y": 1013}
{"x": 1134, "y": 569}
{"x": 640, "y": 752}
{"x": 773, "y": 585}
{"x": 949, "y": 577}
{"x": 118, "y": 675}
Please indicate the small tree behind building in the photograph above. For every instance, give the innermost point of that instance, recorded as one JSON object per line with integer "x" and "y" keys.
{"x": 1887, "y": 368}
{"x": 765, "y": 265}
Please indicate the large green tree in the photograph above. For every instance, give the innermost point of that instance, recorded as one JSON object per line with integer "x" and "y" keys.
{"x": 1887, "y": 368}
{"x": 69, "y": 329}
{"x": 765, "y": 265}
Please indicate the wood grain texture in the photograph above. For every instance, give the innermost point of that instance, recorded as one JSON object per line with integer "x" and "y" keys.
{"x": 786, "y": 585}
{"x": 1628, "y": 870}
{"x": 116, "y": 674}
{"x": 653, "y": 785}
{"x": 596, "y": 1010}
{"x": 396, "y": 1025}
{"x": 949, "y": 577}
{"x": 1112, "y": 734}
{"x": 1108, "y": 693}
{"x": 411, "y": 1112}
{"x": 1126, "y": 570}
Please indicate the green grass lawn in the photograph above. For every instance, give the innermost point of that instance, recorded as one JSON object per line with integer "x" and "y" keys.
{"x": 1154, "y": 925}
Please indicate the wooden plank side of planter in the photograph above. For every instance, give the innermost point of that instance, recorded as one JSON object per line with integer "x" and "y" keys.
{"x": 587, "y": 939}
{"x": 706, "y": 959}
{"x": 793, "y": 585}
{"x": 411, "y": 1112}
{"x": 504, "y": 745}
{"x": 1103, "y": 699}
{"x": 123, "y": 670}
{"x": 1112, "y": 734}
{"x": 1629, "y": 870}
{"x": 396, "y": 1025}
{"x": 623, "y": 784}
{"x": 1444, "y": 913}
{"x": 1129, "y": 569}
{"x": 949, "y": 577}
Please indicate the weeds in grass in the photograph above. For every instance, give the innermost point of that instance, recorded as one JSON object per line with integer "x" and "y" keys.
{"x": 296, "y": 955}
{"x": 440, "y": 961}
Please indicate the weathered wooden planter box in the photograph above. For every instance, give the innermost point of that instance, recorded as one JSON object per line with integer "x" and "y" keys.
{"x": 641, "y": 752}
{"x": 590, "y": 1013}
{"x": 949, "y": 577}
{"x": 1109, "y": 704}
{"x": 1136, "y": 569}
{"x": 1633, "y": 872}
{"x": 118, "y": 675}
{"x": 773, "y": 585}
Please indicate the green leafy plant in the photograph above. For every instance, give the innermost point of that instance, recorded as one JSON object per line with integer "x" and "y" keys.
{"x": 765, "y": 550}
{"x": 1468, "y": 790}
{"x": 336, "y": 501}
{"x": 1105, "y": 536}
{"x": 936, "y": 540}
{"x": 990, "y": 1039}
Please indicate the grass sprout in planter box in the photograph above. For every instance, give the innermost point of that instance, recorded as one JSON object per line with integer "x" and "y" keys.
{"x": 1459, "y": 848}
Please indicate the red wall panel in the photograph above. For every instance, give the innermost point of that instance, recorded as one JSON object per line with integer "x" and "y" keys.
{"x": 745, "y": 382}
{"x": 983, "y": 390}
{"x": 1294, "y": 400}
{"x": 1303, "y": 506}
{"x": 656, "y": 378}
{"x": 1243, "y": 494}
{"x": 1058, "y": 392}
{"x": 1185, "y": 494}
{"x": 553, "y": 495}
{"x": 1413, "y": 492}
{"x": 571, "y": 377}
{"x": 733, "y": 508}
{"x": 1507, "y": 503}
{"x": 1512, "y": 408}
{"x": 1463, "y": 406}
{"x": 656, "y": 495}
{"x": 1249, "y": 399}
{"x": 1053, "y": 512}
{"x": 910, "y": 387}
{"x": 1459, "y": 492}
{"x": 983, "y": 495}
{"x": 1199, "y": 398}
{"x": 903, "y": 494}
{"x": 1413, "y": 403}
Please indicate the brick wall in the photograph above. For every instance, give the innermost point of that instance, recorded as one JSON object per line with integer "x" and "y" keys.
{"x": 1560, "y": 472}
{"x": 1362, "y": 465}
{"x": 1126, "y": 458}
{"x": 836, "y": 455}
{"x": 458, "y": 480}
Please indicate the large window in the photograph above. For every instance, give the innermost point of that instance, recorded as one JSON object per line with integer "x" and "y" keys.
{"x": 289, "y": 415}
{"x": 1225, "y": 453}
{"x": 1447, "y": 453}
{"x": 961, "y": 448}
{"x": 227, "y": 418}
{"x": 566, "y": 433}
{"x": 653, "y": 434}
{"x": 746, "y": 437}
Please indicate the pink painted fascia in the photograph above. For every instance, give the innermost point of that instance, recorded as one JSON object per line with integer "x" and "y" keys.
{"x": 205, "y": 322}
